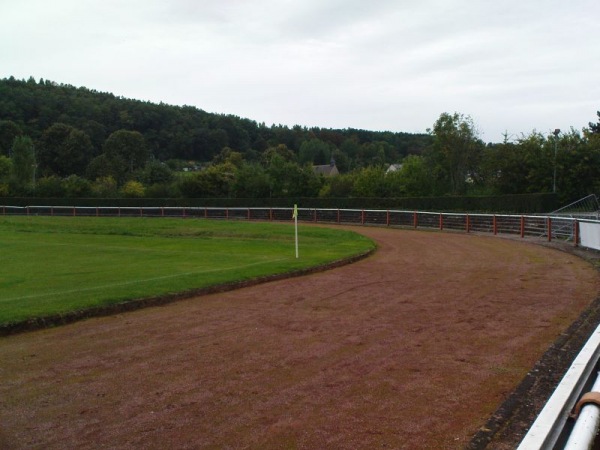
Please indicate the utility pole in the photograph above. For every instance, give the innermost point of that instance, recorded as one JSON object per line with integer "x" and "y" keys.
{"x": 556, "y": 133}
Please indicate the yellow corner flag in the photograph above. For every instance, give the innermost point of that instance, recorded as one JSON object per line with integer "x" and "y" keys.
{"x": 295, "y": 213}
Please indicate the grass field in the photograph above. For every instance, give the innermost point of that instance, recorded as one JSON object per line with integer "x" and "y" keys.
{"x": 54, "y": 265}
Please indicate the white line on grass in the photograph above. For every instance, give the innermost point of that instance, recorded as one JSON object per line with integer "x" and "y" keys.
{"x": 126, "y": 283}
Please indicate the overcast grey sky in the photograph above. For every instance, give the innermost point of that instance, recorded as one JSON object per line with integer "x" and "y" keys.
{"x": 512, "y": 65}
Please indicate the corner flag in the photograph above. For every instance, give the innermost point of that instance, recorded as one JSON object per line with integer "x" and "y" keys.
{"x": 295, "y": 217}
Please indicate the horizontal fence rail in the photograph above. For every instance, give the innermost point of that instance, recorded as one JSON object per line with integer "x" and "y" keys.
{"x": 558, "y": 426}
{"x": 539, "y": 226}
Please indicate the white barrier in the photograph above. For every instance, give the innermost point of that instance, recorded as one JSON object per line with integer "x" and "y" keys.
{"x": 589, "y": 234}
{"x": 550, "y": 423}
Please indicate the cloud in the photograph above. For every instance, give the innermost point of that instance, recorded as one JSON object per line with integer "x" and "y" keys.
{"x": 511, "y": 65}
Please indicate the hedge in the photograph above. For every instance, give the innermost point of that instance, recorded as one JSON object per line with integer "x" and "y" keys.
{"x": 522, "y": 203}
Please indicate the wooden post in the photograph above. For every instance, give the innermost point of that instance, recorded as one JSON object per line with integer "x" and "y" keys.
{"x": 415, "y": 219}
{"x": 271, "y": 214}
{"x": 549, "y": 229}
{"x": 576, "y": 233}
{"x": 387, "y": 219}
{"x": 315, "y": 215}
{"x": 495, "y": 224}
{"x": 441, "y": 221}
{"x": 468, "y": 224}
{"x": 248, "y": 214}
{"x": 338, "y": 216}
{"x": 362, "y": 217}
{"x": 227, "y": 213}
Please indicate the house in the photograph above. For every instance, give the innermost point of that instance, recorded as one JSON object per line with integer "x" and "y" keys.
{"x": 327, "y": 170}
{"x": 394, "y": 168}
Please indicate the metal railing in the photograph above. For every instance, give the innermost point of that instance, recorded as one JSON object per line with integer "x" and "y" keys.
{"x": 538, "y": 226}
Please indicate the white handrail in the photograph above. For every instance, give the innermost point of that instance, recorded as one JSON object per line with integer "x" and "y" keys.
{"x": 586, "y": 428}
{"x": 547, "y": 428}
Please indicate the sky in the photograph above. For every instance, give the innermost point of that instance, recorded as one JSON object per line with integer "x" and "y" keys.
{"x": 513, "y": 66}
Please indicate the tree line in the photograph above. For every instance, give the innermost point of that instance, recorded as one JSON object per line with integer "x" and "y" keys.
{"x": 61, "y": 141}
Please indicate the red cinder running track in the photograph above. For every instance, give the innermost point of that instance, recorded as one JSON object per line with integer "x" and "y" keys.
{"x": 413, "y": 347}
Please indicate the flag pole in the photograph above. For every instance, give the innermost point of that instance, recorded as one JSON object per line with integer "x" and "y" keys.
{"x": 295, "y": 216}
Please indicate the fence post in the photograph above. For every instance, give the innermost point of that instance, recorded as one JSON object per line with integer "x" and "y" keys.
{"x": 141, "y": 212}
{"x": 183, "y": 212}
{"x": 97, "y": 211}
{"x": 362, "y": 217}
{"x": 271, "y": 214}
{"x": 74, "y": 212}
{"x": 162, "y": 211}
{"x": 549, "y": 229}
{"x": 227, "y": 213}
{"x": 248, "y": 214}
{"x": 522, "y": 226}
{"x": 441, "y": 222}
{"x": 315, "y": 215}
{"x": 495, "y": 225}
{"x": 387, "y": 219}
{"x": 28, "y": 210}
{"x": 415, "y": 219}
{"x": 338, "y": 216}
{"x": 576, "y": 232}
{"x": 468, "y": 224}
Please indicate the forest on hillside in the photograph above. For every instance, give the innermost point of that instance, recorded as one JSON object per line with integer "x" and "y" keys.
{"x": 58, "y": 140}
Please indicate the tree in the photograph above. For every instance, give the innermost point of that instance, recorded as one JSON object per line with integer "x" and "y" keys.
{"x": 595, "y": 127}
{"x": 214, "y": 181}
{"x": 5, "y": 168}
{"x": 76, "y": 186}
{"x": 314, "y": 151}
{"x": 280, "y": 151}
{"x": 5, "y": 171}
{"x": 24, "y": 166}
{"x": 155, "y": 172}
{"x": 338, "y": 187}
{"x": 9, "y": 130}
{"x": 133, "y": 189}
{"x": 412, "y": 180}
{"x": 105, "y": 166}
{"x": 370, "y": 182}
{"x": 457, "y": 148}
{"x": 288, "y": 179}
{"x": 64, "y": 150}
{"x": 252, "y": 181}
{"x": 578, "y": 165}
{"x": 128, "y": 147}
{"x": 50, "y": 187}
{"x": 227, "y": 155}
{"x": 104, "y": 187}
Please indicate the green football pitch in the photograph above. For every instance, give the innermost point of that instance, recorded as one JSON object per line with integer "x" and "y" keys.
{"x": 53, "y": 265}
